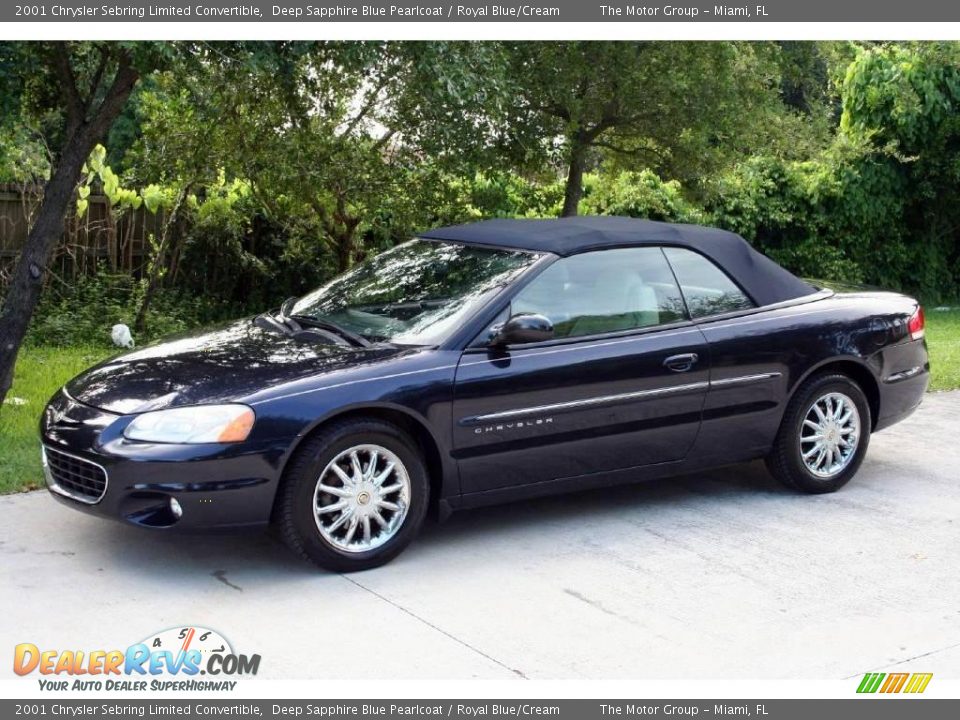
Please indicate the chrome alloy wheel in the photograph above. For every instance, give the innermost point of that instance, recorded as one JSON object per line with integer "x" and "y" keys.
{"x": 361, "y": 499}
{"x": 829, "y": 435}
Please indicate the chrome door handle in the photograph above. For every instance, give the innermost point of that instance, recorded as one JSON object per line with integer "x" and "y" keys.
{"x": 681, "y": 363}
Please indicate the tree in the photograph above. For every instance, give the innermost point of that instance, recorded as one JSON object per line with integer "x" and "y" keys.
{"x": 71, "y": 94}
{"x": 670, "y": 106}
{"x": 339, "y": 138}
{"x": 903, "y": 101}
{"x": 79, "y": 88}
{"x": 174, "y": 151}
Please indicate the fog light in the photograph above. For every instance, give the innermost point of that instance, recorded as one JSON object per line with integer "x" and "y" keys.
{"x": 175, "y": 508}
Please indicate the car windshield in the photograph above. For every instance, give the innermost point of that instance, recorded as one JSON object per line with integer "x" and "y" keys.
{"x": 417, "y": 293}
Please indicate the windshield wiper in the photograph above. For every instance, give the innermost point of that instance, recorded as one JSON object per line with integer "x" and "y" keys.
{"x": 298, "y": 322}
{"x": 269, "y": 322}
{"x": 307, "y": 321}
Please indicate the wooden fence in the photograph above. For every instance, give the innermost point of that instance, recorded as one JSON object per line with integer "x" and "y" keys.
{"x": 98, "y": 239}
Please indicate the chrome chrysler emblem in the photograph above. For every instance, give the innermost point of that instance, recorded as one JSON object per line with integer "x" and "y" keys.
{"x": 514, "y": 425}
{"x": 59, "y": 414}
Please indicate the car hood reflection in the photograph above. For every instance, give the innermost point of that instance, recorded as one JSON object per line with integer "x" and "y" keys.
{"x": 220, "y": 365}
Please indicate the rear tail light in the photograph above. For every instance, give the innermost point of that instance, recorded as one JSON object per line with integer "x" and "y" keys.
{"x": 915, "y": 324}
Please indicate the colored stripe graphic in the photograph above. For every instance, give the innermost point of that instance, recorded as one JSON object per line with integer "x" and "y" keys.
{"x": 894, "y": 683}
{"x": 870, "y": 682}
{"x": 918, "y": 682}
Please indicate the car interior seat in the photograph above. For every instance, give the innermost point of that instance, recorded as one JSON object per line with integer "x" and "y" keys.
{"x": 587, "y": 297}
{"x": 612, "y": 299}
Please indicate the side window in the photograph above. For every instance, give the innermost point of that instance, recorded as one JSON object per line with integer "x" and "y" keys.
{"x": 604, "y": 291}
{"x": 706, "y": 288}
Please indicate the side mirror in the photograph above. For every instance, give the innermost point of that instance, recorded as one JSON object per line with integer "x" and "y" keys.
{"x": 522, "y": 328}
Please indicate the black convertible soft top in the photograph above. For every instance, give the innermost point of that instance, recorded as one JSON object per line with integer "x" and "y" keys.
{"x": 764, "y": 280}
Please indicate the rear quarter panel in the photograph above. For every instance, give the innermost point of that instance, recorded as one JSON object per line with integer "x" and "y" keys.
{"x": 864, "y": 331}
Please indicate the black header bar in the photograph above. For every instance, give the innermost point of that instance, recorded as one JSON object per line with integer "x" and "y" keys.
{"x": 467, "y": 11}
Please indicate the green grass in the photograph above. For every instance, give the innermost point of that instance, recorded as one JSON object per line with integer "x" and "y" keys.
{"x": 40, "y": 371}
{"x": 943, "y": 341}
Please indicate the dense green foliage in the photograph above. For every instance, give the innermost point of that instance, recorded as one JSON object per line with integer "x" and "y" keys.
{"x": 681, "y": 109}
{"x": 84, "y": 313}
{"x": 880, "y": 204}
{"x": 277, "y": 165}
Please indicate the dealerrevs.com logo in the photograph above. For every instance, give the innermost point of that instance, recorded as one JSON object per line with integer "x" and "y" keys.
{"x": 179, "y": 659}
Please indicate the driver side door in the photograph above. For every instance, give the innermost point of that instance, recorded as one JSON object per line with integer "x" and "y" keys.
{"x": 621, "y": 384}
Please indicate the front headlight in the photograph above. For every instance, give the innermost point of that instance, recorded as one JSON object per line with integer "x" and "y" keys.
{"x": 195, "y": 424}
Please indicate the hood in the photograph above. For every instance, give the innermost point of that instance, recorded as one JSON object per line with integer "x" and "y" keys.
{"x": 220, "y": 365}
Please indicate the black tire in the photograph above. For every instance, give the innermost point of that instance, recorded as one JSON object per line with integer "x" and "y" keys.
{"x": 785, "y": 462}
{"x": 294, "y": 516}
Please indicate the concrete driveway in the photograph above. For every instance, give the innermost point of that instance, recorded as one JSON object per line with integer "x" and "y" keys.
{"x": 721, "y": 574}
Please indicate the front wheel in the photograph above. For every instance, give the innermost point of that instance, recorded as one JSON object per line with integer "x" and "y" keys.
{"x": 354, "y": 496}
{"x": 823, "y": 437}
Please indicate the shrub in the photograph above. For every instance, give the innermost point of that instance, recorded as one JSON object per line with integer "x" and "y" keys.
{"x": 637, "y": 194}
{"x": 84, "y": 313}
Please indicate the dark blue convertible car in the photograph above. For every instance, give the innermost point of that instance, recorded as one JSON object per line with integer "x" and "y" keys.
{"x": 481, "y": 363}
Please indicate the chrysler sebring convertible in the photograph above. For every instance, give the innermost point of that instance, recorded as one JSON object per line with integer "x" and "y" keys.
{"x": 482, "y": 363}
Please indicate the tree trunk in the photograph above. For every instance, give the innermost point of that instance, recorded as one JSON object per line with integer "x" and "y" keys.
{"x": 344, "y": 250}
{"x": 346, "y": 247}
{"x": 111, "y": 220}
{"x": 140, "y": 324}
{"x": 86, "y": 125}
{"x": 574, "y": 187}
{"x": 26, "y": 282}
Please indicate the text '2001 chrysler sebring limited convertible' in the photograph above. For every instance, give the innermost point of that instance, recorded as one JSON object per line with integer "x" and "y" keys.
{"x": 481, "y": 363}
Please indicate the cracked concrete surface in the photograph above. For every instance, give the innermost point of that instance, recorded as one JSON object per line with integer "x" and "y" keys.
{"x": 720, "y": 574}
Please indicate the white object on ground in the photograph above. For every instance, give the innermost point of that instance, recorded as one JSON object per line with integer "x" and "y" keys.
{"x": 121, "y": 336}
{"x": 15, "y": 401}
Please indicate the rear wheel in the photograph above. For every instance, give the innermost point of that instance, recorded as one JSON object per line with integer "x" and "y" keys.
{"x": 824, "y": 435}
{"x": 354, "y": 496}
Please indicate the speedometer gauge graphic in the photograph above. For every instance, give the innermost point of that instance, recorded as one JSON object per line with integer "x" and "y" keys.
{"x": 182, "y": 639}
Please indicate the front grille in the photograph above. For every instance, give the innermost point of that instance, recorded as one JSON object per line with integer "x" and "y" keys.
{"x": 75, "y": 477}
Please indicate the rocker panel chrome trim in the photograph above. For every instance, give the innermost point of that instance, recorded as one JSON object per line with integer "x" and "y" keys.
{"x": 744, "y": 379}
{"x": 612, "y": 399}
{"x": 586, "y": 403}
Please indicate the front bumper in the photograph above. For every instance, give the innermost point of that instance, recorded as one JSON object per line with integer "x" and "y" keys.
{"x": 212, "y": 485}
